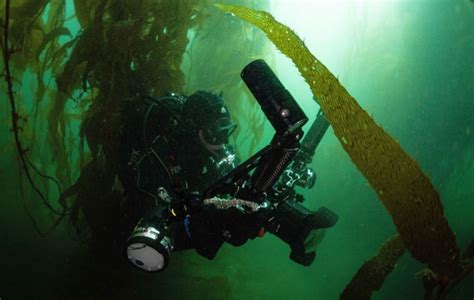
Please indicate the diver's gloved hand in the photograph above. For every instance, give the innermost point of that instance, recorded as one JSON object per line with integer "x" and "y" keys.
{"x": 213, "y": 225}
{"x": 239, "y": 226}
{"x": 203, "y": 232}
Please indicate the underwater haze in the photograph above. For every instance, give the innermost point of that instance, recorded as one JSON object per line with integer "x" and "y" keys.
{"x": 408, "y": 63}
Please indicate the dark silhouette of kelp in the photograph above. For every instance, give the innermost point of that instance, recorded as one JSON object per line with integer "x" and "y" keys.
{"x": 124, "y": 49}
{"x": 370, "y": 277}
{"x": 26, "y": 167}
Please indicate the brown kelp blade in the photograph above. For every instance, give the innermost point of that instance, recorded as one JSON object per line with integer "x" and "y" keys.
{"x": 403, "y": 188}
{"x": 372, "y": 274}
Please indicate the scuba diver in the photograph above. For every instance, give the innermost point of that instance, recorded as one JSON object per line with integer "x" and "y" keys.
{"x": 172, "y": 147}
{"x": 185, "y": 187}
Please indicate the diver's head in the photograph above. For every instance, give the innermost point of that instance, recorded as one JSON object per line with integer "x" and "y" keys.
{"x": 210, "y": 120}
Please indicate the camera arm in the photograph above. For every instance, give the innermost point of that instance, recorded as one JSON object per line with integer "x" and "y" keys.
{"x": 298, "y": 173}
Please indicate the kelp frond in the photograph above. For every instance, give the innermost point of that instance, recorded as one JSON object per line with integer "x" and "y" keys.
{"x": 406, "y": 192}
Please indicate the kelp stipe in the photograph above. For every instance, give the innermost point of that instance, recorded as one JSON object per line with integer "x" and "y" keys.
{"x": 403, "y": 188}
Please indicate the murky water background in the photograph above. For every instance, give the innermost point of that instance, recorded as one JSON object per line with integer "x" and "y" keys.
{"x": 410, "y": 64}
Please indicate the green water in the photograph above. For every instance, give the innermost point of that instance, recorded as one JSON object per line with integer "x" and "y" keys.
{"x": 409, "y": 63}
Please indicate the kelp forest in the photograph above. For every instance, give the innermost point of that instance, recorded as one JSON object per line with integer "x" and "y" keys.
{"x": 69, "y": 69}
{"x": 66, "y": 130}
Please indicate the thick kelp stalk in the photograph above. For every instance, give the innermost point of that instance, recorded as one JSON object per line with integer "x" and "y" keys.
{"x": 436, "y": 288}
{"x": 372, "y": 274}
{"x": 403, "y": 188}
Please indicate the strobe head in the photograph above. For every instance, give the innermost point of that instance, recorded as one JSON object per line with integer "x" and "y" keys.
{"x": 279, "y": 106}
{"x": 149, "y": 247}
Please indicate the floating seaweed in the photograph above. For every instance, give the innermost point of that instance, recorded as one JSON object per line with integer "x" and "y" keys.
{"x": 371, "y": 276}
